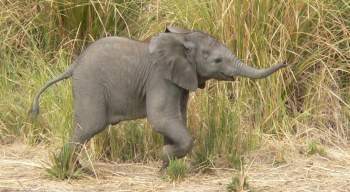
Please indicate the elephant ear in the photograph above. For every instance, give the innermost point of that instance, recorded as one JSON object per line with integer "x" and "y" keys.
{"x": 170, "y": 53}
{"x": 173, "y": 29}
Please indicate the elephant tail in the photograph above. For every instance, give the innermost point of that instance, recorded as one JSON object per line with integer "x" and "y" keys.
{"x": 35, "y": 105}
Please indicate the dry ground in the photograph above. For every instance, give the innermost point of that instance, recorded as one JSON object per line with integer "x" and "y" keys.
{"x": 21, "y": 169}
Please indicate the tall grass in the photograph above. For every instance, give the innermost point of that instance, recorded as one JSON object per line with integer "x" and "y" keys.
{"x": 310, "y": 99}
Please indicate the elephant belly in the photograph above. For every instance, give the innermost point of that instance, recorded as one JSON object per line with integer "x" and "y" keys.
{"x": 127, "y": 108}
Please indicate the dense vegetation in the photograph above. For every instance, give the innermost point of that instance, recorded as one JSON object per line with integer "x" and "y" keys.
{"x": 310, "y": 100}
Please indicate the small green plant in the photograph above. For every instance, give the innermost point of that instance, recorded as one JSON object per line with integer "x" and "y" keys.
{"x": 236, "y": 184}
{"x": 64, "y": 165}
{"x": 239, "y": 181}
{"x": 177, "y": 170}
{"x": 315, "y": 148}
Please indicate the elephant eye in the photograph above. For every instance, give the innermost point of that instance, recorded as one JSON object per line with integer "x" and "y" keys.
{"x": 218, "y": 60}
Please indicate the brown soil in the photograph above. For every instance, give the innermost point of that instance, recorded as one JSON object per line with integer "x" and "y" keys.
{"x": 22, "y": 169}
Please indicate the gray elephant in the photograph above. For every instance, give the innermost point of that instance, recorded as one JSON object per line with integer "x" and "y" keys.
{"x": 117, "y": 79}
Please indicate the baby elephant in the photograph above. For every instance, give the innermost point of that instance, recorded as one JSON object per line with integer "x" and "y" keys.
{"x": 117, "y": 79}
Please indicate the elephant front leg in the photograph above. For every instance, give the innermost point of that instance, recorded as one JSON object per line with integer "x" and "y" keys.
{"x": 177, "y": 145}
{"x": 168, "y": 143}
{"x": 177, "y": 140}
{"x": 166, "y": 112}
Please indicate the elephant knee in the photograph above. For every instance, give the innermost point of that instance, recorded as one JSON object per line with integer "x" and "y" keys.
{"x": 178, "y": 150}
{"x": 159, "y": 125}
{"x": 186, "y": 146}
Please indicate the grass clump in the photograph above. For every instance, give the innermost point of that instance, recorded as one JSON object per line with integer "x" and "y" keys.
{"x": 64, "y": 165}
{"x": 239, "y": 181}
{"x": 237, "y": 184}
{"x": 315, "y": 148}
{"x": 177, "y": 170}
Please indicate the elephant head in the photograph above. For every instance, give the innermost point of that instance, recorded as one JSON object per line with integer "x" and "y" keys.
{"x": 189, "y": 58}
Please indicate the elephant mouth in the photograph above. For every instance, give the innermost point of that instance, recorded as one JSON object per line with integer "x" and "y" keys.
{"x": 223, "y": 76}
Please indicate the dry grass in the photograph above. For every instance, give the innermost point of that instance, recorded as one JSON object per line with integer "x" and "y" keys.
{"x": 22, "y": 169}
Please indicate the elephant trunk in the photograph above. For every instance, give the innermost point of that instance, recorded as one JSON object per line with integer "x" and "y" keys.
{"x": 250, "y": 72}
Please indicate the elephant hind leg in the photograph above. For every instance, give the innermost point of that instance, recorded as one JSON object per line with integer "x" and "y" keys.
{"x": 90, "y": 117}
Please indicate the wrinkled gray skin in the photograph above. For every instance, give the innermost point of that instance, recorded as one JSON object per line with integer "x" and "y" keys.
{"x": 118, "y": 79}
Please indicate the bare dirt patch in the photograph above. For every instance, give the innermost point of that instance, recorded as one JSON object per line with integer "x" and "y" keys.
{"x": 22, "y": 169}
